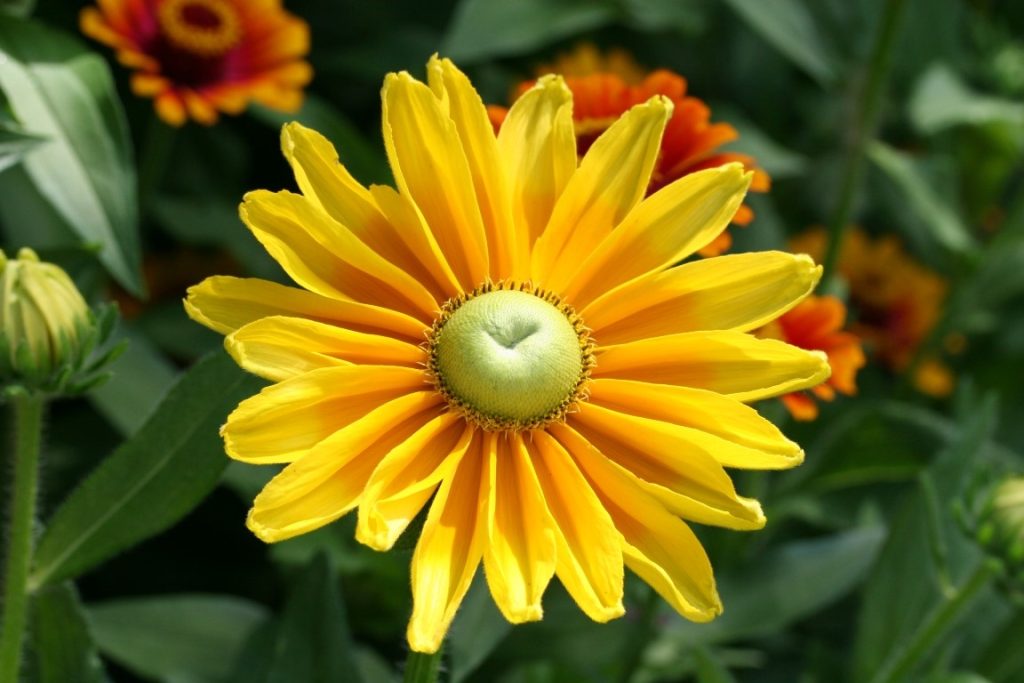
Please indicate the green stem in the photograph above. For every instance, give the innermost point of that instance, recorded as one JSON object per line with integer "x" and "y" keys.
{"x": 902, "y": 662}
{"x": 28, "y": 422}
{"x": 864, "y": 127}
{"x": 422, "y": 668}
{"x": 152, "y": 162}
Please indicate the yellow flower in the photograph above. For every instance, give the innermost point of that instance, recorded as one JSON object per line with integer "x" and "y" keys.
{"x": 505, "y": 335}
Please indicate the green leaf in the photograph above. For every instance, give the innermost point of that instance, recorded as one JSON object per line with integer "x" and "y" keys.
{"x": 61, "y": 641}
{"x": 482, "y": 29}
{"x": 1002, "y": 660}
{"x": 659, "y": 15}
{"x": 710, "y": 668}
{"x": 779, "y": 161}
{"x": 188, "y": 637}
{"x": 60, "y": 91}
{"x": 14, "y": 144}
{"x": 18, "y": 8}
{"x": 152, "y": 480}
{"x": 790, "y": 28}
{"x": 941, "y": 100}
{"x": 478, "y": 628}
{"x": 944, "y": 225}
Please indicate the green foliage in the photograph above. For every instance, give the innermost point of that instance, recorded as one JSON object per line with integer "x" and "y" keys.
{"x": 62, "y": 640}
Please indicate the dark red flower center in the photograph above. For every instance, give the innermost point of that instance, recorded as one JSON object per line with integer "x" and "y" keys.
{"x": 195, "y": 39}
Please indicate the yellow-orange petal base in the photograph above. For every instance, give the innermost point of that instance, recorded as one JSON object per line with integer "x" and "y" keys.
{"x": 505, "y": 340}
{"x": 198, "y": 58}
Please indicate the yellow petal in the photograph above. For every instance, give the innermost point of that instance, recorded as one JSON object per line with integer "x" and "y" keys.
{"x": 519, "y": 559}
{"x": 328, "y": 481}
{"x": 537, "y": 143}
{"x": 224, "y": 304}
{"x": 589, "y": 550}
{"x": 612, "y": 178}
{"x": 430, "y": 166}
{"x": 404, "y": 480}
{"x": 481, "y": 148}
{"x": 325, "y": 257}
{"x": 662, "y": 230}
{"x": 279, "y": 348}
{"x": 734, "y": 292}
{"x": 755, "y": 443}
{"x": 659, "y": 547}
{"x": 448, "y": 552}
{"x": 674, "y": 464}
{"x": 326, "y": 183}
{"x": 285, "y": 420}
{"x": 732, "y": 363}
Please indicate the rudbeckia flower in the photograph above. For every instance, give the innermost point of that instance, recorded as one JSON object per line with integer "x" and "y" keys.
{"x": 604, "y": 88}
{"x": 200, "y": 57}
{"x": 816, "y": 323}
{"x": 504, "y": 337}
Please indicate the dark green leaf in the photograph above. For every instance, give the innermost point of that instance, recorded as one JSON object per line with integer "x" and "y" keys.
{"x": 151, "y": 481}
{"x": 710, "y": 668}
{"x": 483, "y": 28}
{"x": 941, "y": 100}
{"x": 14, "y": 144}
{"x": 64, "y": 93}
{"x": 479, "y": 627}
{"x": 1002, "y": 660}
{"x": 19, "y": 8}
{"x": 61, "y": 641}
{"x": 176, "y": 638}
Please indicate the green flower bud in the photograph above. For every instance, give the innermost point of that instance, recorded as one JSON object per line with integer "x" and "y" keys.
{"x": 1006, "y": 520}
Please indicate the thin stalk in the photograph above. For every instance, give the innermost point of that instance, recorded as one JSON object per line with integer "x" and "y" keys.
{"x": 864, "y": 127}
{"x": 422, "y": 668}
{"x": 902, "y": 662}
{"x": 28, "y": 423}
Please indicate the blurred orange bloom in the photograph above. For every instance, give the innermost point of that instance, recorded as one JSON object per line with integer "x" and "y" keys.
{"x": 605, "y": 86}
{"x": 198, "y": 57}
{"x": 898, "y": 301}
{"x": 816, "y": 324}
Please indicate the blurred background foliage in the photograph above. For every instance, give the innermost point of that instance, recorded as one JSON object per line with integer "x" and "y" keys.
{"x": 144, "y": 569}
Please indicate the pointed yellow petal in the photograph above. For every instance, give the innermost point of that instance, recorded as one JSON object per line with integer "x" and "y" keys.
{"x": 659, "y": 547}
{"x": 612, "y": 178}
{"x": 408, "y": 476}
{"x": 285, "y": 420}
{"x": 328, "y": 481}
{"x": 481, "y": 148}
{"x": 325, "y": 257}
{"x": 224, "y": 304}
{"x": 755, "y": 443}
{"x": 430, "y": 166}
{"x": 735, "y": 292}
{"x": 448, "y": 552}
{"x": 279, "y": 348}
{"x": 537, "y": 143}
{"x": 519, "y": 559}
{"x": 674, "y": 464}
{"x": 589, "y": 550}
{"x": 660, "y": 231}
{"x": 732, "y": 363}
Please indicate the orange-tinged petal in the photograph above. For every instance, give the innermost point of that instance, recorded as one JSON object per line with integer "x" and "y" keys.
{"x": 611, "y": 180}
{"x": 736, "y": 292}
{"x": 732, "y": 363}
{"x": 519, "y": 559}
{"x": 329, "y": 481}
{"x": 588, "y": 551}
{"x": 659, "y": 547}
{"x": 285, "y": 420}
{"x": 662, "y": 230}
{"x": 404, "y": 480}
{"x": 224, "y": 304}
{"x": 448, "y": 552}
{"x": 170, "y": 107}
{"x": 278, "y": 348}
{"x": 430, "y": 166}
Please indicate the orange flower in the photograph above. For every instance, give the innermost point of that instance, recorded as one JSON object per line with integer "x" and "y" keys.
{"x": 816, "y": 324}
{"x": 604, "y": 89}
{"x": 898, "y": 301}
{"x": 198, "y": 57}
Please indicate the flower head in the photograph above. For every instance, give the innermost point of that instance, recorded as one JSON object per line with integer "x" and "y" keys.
{"x": 606, "y": 86}
{"x": 200, "y": 57}
{"x": 505, "y": 337}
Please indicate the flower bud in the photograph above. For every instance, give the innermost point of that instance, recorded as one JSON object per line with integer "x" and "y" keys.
{"x": 1003, "y": 529}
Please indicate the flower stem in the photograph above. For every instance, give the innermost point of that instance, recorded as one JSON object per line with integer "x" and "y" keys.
{"x": 864, "y": 127}
{"x": 901, "y": 662}
{"x": 422, "y": 668}
{"x": 28, "y": 422}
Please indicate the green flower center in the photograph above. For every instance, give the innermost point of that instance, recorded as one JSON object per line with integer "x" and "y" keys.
{"x": 509, "y": 357}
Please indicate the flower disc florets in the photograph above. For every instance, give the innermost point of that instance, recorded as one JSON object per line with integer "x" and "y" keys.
{"x": 510, "y": 357}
